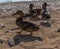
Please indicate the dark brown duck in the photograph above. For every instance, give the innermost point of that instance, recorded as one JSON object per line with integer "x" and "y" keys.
{"x": 25, "y": 25}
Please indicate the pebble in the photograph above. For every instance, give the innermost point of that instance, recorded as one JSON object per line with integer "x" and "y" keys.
{"x": 2, "y": 26}
{"x": 1, "y": 41}
{"x": 11, "y": 42}
{"x": 58, "y": 30}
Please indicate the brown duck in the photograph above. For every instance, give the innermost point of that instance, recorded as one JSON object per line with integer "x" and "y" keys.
{"x": 25, "y": 25}
{"x": 35, "y": 12}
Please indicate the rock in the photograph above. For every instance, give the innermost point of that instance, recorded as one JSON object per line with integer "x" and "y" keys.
{"x": 58, "y": 30}
{"x": 1, "y": 41}
{"x": 11, "y": 42}
{"x": 52, "y": 22}
{"x": 2, "y": 26}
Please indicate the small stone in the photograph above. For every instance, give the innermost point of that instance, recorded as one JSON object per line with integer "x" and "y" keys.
{"x": 1, "y": 41}
{"x": 52, "y": 22}
{"x": 58, "y": 30}
{"x": 2, "y": 26}
{"x": 11, "y": 42}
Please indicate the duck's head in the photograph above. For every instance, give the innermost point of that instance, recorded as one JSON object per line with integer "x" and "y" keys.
{"x": 18, "y": 14}
{"x": 46, "y": 4}
{"x": 31, "y": 6}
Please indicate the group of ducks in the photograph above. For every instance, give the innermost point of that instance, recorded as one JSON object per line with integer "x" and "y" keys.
{"x": 25, "y": 25}
{"x": 34, "y": 14}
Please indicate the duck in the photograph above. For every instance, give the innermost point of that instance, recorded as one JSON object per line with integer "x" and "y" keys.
{"x": 34, "y": 12}
{"x": 38, "y": 11}
{"x": 44, "y": 13}
{"x": 25, "y": 25}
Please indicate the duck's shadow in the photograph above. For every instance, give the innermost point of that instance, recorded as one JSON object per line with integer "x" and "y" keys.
{"x": 25, "y": 38}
